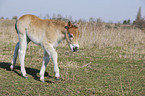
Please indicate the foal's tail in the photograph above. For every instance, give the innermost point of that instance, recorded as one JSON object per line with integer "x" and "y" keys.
{"x": 16, "y": 26}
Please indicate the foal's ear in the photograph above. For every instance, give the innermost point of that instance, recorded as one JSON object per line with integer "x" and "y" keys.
{"x": 69, "y": 24}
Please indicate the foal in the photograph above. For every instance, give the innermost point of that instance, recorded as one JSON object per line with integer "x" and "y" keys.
{"x": 46, "y": 33}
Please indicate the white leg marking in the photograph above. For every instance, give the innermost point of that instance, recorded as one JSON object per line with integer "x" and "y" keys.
{"x": 54, "y": 58}
{"x": 44, "y": 64}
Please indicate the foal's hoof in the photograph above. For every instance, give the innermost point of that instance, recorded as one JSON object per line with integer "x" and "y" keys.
{"x": 11, "y": 67}
{"x": 42, "y": 79}
{"x": 26, "y": 77}
{"x": 56, "y": 78}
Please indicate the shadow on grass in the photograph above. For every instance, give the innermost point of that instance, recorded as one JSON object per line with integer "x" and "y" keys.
{"x": 30, "y": 71}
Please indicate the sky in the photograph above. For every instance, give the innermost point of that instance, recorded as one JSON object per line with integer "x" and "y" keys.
{"x": 106, "y": 10}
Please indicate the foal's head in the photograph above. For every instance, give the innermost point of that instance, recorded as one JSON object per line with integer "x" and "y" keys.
{"x": 72, "y": 36}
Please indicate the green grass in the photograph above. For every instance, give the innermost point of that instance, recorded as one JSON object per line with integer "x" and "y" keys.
{"x": 91, "y": 71}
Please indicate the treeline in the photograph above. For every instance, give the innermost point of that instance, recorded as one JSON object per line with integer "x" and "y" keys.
{"x": 58, "y": 17}
{"x": 139, "y": 22}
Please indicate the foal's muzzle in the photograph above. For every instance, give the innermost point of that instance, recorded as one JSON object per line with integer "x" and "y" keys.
{"x": 75, "y": 49}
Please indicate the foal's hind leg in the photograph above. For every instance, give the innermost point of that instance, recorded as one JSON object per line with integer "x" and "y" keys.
{"x": 14, "y": 56}
{"x": 22, "y": 51}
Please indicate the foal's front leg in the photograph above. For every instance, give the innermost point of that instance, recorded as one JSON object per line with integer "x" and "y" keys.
{"x": 44, "y": 64}
{"x": 56, "y": 69}
{"x": 50, "y": 50}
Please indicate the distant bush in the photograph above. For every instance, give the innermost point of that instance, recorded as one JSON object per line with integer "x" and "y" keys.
{"x": 126, "y": 21}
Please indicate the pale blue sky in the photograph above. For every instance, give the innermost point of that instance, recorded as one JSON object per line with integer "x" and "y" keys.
{"x": 107, "y": 10}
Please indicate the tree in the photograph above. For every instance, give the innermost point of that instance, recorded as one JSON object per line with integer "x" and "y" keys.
{"x": 99, "y": 20}
{"x": 59, "y": 17}
{"x": 92, "y": 19}
{"x": 47, "y": 16}
{"x": 14, "y": 17}
{"x": 2, "y": 17}
{"x": 128, "y": 22}
{"x": 54, "y": 16}
{"x": 139, "y": 22}
{"x": 124, "y": 22}
{"x": 138, "y": 17}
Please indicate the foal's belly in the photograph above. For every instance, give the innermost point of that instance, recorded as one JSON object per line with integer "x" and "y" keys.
{"x": 35, "y": 36}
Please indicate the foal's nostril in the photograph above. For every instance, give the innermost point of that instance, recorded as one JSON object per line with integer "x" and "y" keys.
{"x": 75, "y": 49}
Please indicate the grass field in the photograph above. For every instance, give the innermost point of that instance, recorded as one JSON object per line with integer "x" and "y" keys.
{"x": 111, "y": 61}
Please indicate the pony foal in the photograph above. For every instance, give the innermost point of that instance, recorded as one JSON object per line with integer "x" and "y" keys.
{"x": 46, "y": 33}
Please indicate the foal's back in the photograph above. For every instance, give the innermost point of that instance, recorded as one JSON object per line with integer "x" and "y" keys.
{"x": 40, "y": 30}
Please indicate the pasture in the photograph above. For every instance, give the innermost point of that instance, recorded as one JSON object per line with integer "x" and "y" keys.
{"x": 111, "y": 61}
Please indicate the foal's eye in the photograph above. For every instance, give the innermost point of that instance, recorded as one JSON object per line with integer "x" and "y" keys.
{"x": 70, "y": 35}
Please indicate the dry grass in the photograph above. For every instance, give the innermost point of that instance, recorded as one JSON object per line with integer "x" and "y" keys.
{"x": 7, "y": 31}
{"x": 92, "y": 35}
